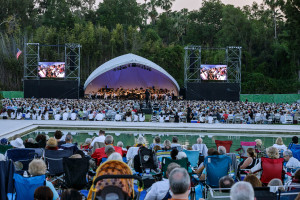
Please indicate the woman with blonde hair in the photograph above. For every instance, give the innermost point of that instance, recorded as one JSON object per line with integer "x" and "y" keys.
{"x": 279, "y": 145}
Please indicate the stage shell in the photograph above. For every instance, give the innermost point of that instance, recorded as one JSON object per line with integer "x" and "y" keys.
{"x": 130, "y": 71}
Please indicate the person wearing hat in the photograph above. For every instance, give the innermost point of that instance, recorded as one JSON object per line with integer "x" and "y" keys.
{"x": 52, "y": 144}
{"x": 17, "y": 143}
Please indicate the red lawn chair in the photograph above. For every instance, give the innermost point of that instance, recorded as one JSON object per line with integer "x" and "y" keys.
{"x": 227, "y": 144}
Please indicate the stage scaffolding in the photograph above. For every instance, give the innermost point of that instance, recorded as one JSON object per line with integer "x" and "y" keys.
{"x": 195, "y": 56}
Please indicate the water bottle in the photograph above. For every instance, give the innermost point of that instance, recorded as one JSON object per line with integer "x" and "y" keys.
{"x": 25, "y": 174}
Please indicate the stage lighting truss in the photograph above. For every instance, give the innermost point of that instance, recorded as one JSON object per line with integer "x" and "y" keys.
{"x": 31, "y": 60}
{"x": 195, "y": 56}
{"x": 72, "y": 61}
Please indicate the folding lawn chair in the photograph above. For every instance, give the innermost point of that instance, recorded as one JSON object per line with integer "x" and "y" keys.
{"x": 227, "y": 144}
{"x": 23, "y": 155}
{"x": 193, "y": 157}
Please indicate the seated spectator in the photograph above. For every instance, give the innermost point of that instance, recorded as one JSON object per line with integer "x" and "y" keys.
{"x": 279, "y": 145}
{"x": 201, "y": 169}
{"x": 17, "y": 143}
{"x": 160, "y": 189}
{"x": 37, "y": 167}
{"x": 109, "y": 149}
{"x": 294, "y": 141}
{"x": 174, "y": 154}
{"x": 120, "y": 144}
{"x": 41, "y": 140}
{"x": 226, "y": 182}
{"x": 29, "y": 143}
{"x": 69, "y": 143}
{"x": 115, "y": 156}
{"x": 51, "y": 144}
{"x": 100, "y": 153}
{"x": 179, "y": 181}
{"x": 3, "y": 141}
{"x": 202, "y": 148}
{"x": 133, "y": 151}
{"x": 86, "y": 145}
{"x": 250, "y": 161}
{"x": 100, "y": 138}
{"x": 291, "y": 161}
{"x": 167, "y": 145}
{"x": 260, "y": 148}
{"x": 222, "y": 150}
{"x": 276, "y": 182}
{"x": 58, "y": 135}
{"x": 156, "y": 148}
{"x": 253, "y": 180}
{"x": 175, "y": 143}
{"x": 43, "y": 193}
{"x": 70, "y": 194}
{"x": 180, "y": 155}
{"x": 272, "y": 153}
{"x": 242, "y": 191}
{"x": 156, "y": 143}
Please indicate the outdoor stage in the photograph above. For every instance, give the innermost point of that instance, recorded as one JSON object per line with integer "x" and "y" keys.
{"x": 9, "y": 128}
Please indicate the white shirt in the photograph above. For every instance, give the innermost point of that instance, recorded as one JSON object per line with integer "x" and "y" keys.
{"x": 293, "y": 163}
{"x": 158, "y": 190}
{"x": 73, "y": 116}
{"x": 280, "y": 147}
{"x": 118, "y": 117}
{"x": 141, "y": 118}
{"x": 99, "y": 117}
{"x": 101, "y": 138}
{"x": 202, "y": 148}
{"x": 132, "y": 151}
{"x": 65, "y": 116}
{"x": 57, "y": 117}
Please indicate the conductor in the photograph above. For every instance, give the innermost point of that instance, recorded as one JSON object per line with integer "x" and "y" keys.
{"x": 147, "y": 95}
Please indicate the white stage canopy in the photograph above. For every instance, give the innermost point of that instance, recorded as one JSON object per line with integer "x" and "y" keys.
{"x": 130, "y": 71}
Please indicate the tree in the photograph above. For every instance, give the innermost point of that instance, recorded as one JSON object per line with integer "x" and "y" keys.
{"x": 125, "y": 12}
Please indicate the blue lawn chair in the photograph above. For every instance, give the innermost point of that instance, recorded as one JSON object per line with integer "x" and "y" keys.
{"x": 54, "y": 160}
{"x": 7, "y": 170}
{"x": 25, "y": 186}
{"x": 23, "y": 155}
{"x": 216, "y": 167}
{"x": 192, "y": 156}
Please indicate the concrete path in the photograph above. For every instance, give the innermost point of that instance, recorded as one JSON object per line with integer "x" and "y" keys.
{"x": 9, "y": 128}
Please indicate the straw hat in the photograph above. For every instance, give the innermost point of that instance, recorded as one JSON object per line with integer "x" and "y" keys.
{"x": 52, "y": 142}
{"x": 17, "y": 143}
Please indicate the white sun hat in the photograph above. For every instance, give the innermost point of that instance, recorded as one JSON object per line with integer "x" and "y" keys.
{"x": 18, "y": 143}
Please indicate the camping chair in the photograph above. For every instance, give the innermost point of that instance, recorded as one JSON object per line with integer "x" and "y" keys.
{"x": 166, "y": 161}
{"x": 7, "y": 170}
{"x": 271, "y": 168}
{"x": 113, "y": 167}
{"x": 244, "y": 147}
{"x": 23, "y": 155}
{"x": 39, "y": 152}
{"x": 25, "y": 186}
{"x": 192, "y": 156}
{"x": 227, "y": 144}
{"x": 216, "y": 167}
{"x": 75, "y": 172}
{"x": 54, "y": 162}
{"x": 295, "y": 148}
{"x": 263, "y": 193}
{"x": 97, "y": 145}
{"x": 147, "y": 160}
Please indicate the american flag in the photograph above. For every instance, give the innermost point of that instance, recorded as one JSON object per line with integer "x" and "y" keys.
{"x": 18, "y": 53}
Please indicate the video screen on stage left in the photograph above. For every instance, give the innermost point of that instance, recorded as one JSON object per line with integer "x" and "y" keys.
{"x": 51, "y": 69}
{"x": 213, "y": 72}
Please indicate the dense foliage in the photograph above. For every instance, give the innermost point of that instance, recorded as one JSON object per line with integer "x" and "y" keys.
{"x": 268, "y": 33}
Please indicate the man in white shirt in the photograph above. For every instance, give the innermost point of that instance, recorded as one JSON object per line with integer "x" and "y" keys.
{"x": 291, "y": 161}
{"x": 101, "y": 138}
{"x": 160, "y": 189}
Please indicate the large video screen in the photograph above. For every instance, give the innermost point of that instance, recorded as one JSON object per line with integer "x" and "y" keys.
{"x": 51, "y": 69}
{"x": 213, "y": 72}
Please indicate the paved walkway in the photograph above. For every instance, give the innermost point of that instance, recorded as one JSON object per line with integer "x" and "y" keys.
{"x": 9, "y": 128}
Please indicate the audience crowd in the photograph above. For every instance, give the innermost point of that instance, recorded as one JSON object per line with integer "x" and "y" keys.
{"x": 178, "y": 179}
{"x": 163, "y": 111}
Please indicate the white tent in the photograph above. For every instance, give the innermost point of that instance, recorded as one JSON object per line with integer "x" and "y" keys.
{"x": 130, "y": 71}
